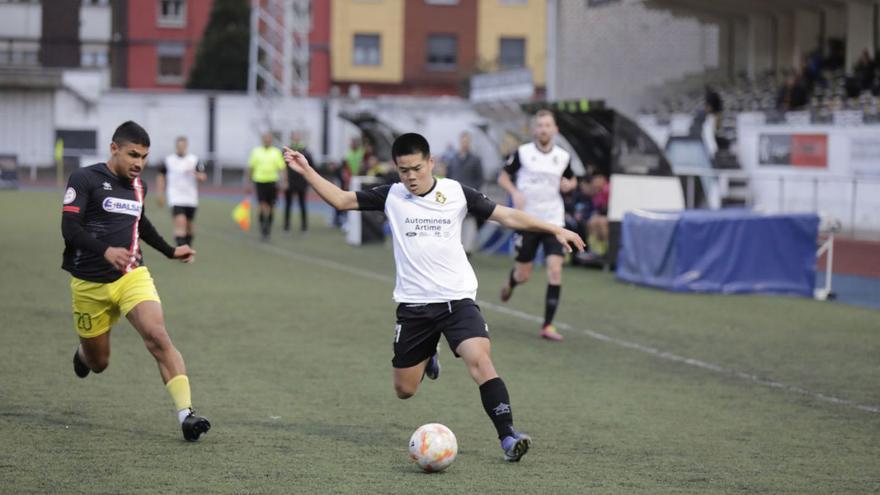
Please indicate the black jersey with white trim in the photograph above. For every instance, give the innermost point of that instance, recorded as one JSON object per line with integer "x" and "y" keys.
{"x": 102, "y": 210}
{"x": 431, "y": 264}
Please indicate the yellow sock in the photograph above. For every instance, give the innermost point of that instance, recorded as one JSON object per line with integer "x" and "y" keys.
{"x": 178, "y": 387}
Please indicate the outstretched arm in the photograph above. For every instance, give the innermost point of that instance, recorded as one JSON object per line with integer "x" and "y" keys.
{"x": 151, "y": 236}
{"x": 329, "y": 192}
{"x": 519, "y": 220}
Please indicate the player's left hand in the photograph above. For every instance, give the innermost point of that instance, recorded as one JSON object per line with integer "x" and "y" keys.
{"x": 570, "y": 239}
{"x": 184, "y": 253}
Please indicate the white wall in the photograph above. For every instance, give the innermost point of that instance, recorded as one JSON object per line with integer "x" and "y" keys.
{"x": 859, "y": 31}
{"x": 616, "y": 52}
{"x": 742, "y": 57}
{"x": 95, "y": 23}
{"x": 760, "y": 44}
{"x": 240, "y": 120}
{"x": 806, "y": 33}
{"x": 27, "y": 129}
{"x": 847, "y": 189}
{"x": 785, "y": 54}
{"x": 21, "y": 20}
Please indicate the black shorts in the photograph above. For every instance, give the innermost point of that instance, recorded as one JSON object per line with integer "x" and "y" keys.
{"x": 527, "y": 243}
{"x": 419, "y": 327}
{"x": 188, "y": 211}
{"x": 267, "y": 192}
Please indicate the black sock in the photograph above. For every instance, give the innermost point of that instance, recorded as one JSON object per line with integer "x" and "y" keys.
{"x": 180, "y": 241}
{"x": 511, "y": 282}
{"x": 496, "y": 402}
{"x": 189, "y": 240}
{"x": 551, "y": 302}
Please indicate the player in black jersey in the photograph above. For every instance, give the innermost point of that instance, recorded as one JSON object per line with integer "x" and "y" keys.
{"x": 102, "y": 221}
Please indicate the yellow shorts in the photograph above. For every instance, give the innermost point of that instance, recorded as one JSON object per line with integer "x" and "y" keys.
{"x": 97, "y": 306}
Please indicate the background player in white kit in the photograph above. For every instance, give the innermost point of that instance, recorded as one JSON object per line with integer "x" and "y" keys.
{"x": 436, "y": 285}
{"x": 177, "y": 185}
{"x": 535, "y": 175}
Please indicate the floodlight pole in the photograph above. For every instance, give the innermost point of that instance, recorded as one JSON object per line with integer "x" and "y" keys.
{"x": 278, "y": 67}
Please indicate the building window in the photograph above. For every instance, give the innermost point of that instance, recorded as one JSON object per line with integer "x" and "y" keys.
{"x": 441, "y": 2}
{"x": 512, "y": 53}
{"x": 442, "y": 51}
{"x": 514, "y": 2}
{"x": 93, "y": 58}
{"x": 172, "y": 13}
{"x": 170, "y": 63}
{"x": 367, "y": 49}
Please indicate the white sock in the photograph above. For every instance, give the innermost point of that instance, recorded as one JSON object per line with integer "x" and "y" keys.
{"x": 183, "y": 413}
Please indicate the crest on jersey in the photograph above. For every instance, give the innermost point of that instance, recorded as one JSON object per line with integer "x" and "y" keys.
{"x": 69, "y": 195}
{"x": 440, "y": 198}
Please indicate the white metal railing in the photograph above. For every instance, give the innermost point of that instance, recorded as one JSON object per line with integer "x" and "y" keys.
{"x": 853, "y": 200}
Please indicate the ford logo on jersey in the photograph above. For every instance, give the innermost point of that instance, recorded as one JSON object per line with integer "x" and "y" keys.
{"x": 119, "y": 205}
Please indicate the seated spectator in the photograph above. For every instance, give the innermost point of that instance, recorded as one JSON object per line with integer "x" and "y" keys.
{"x": 597, "y": 225}
{"x": 579, "y": 207}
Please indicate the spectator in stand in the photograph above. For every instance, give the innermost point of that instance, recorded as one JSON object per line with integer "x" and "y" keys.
{"x": 597, "y": 225}
{"x": 297, "y": 185}
{"x": 467, "y": 168}
{"x": 582, "y": 206}
{"x": 864, "y": 71}
{"x": 339, "y": 175}
{"x": 792, "y": 95}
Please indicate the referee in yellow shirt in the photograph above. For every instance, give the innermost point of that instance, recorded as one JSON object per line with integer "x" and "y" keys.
{"x": 264, "y": 169}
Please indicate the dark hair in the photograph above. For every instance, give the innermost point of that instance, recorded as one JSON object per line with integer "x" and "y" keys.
{"x": 410, "y": 144}
{"x": 131, "y": 132}
{"x": 545, "y": 113}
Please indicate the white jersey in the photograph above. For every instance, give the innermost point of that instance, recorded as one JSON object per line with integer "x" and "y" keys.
{"x": 538, "y": 175}
{"x": 181, "y": 186}
{"x": 430, "y": 260}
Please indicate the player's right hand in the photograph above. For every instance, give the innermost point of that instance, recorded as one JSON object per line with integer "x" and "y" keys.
{"x": 184, "y": 253}
{"x": 296, "y": 161}
{"x": 519, "y": 200}
{"x": 118, "y": 257}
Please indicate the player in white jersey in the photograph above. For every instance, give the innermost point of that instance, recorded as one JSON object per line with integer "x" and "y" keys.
{"x": 177, "y": 184}
{"x": 535, "y": 175}
{"x": 436, "y": 286}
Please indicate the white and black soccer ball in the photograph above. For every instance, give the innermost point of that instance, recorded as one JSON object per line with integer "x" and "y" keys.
{"x": 433, "y": 447}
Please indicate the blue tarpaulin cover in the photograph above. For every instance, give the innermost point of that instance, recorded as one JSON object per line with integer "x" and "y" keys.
{"x": 728, "y": 251}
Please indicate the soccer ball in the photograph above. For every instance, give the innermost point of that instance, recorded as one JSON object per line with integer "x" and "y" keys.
{"x": 433, "y": 447}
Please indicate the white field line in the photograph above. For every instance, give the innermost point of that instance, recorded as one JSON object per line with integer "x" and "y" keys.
{"x": 653, "y": 351}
